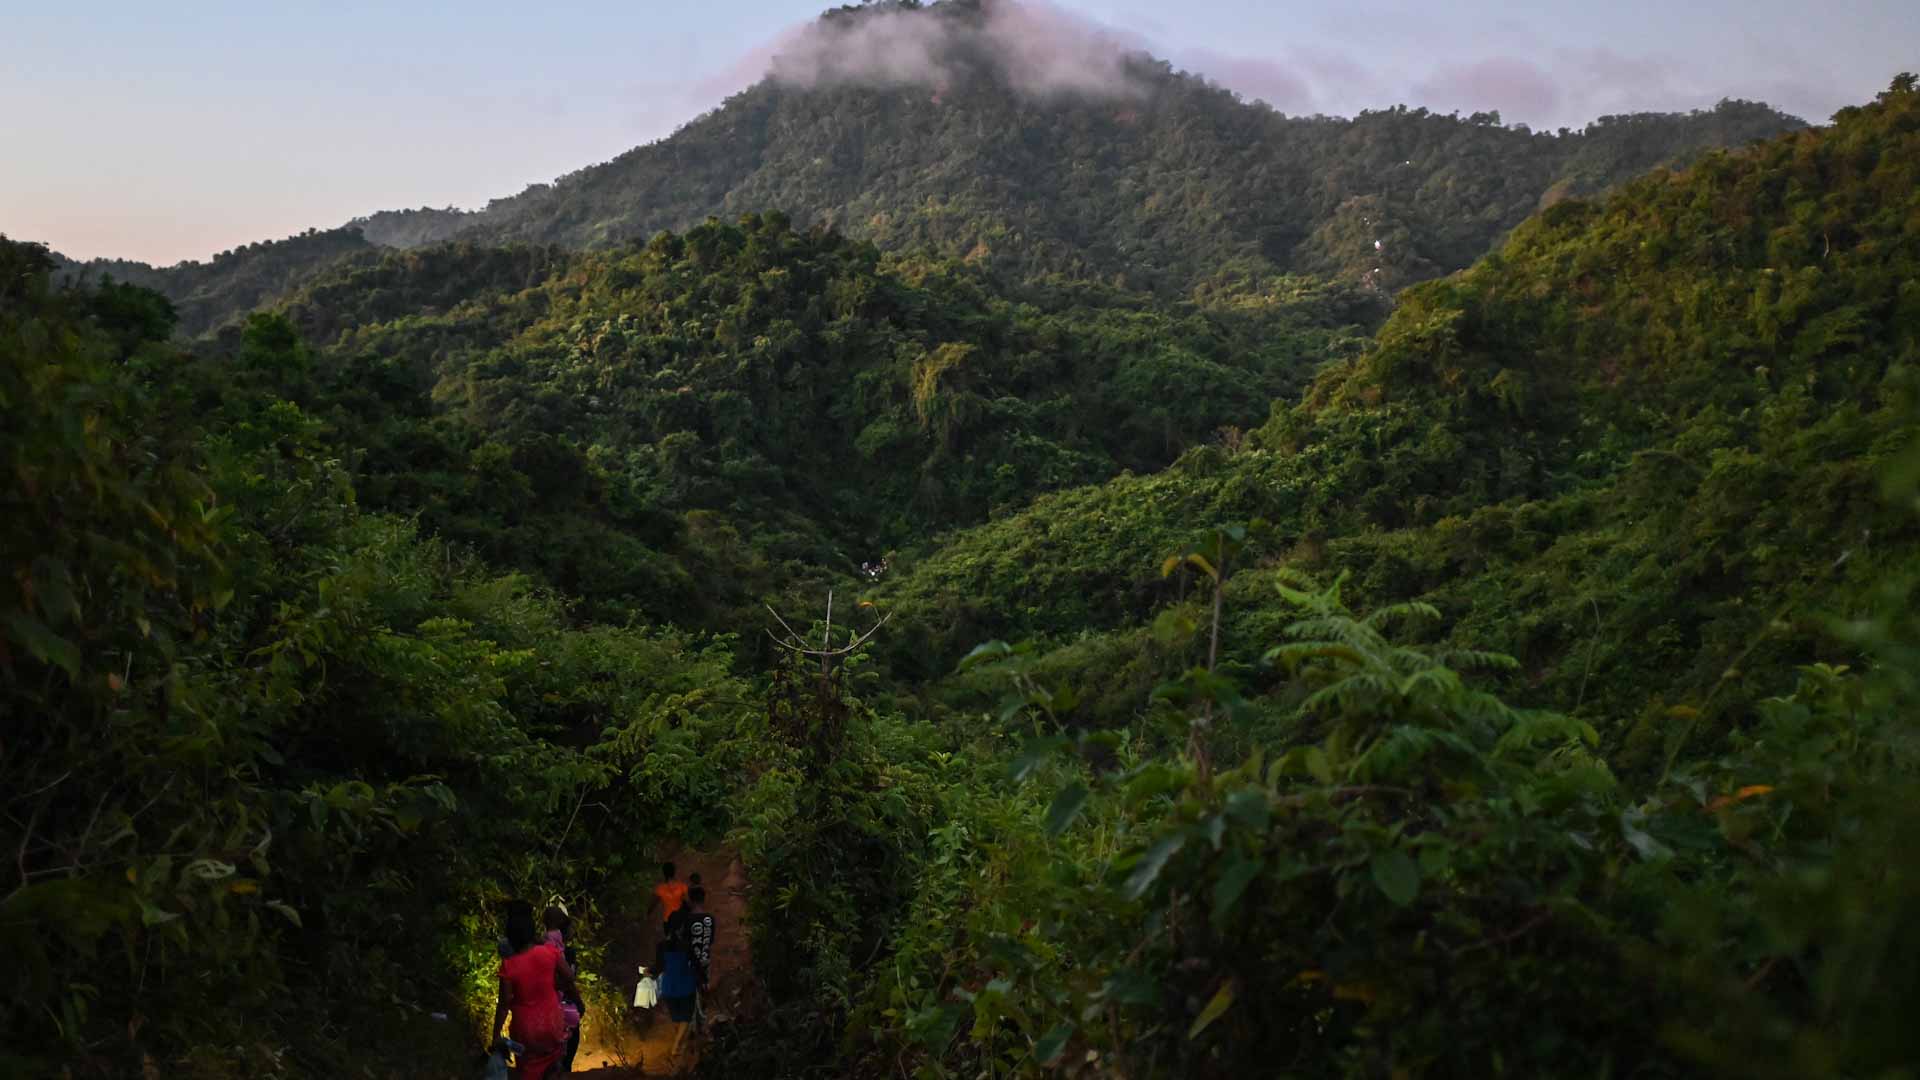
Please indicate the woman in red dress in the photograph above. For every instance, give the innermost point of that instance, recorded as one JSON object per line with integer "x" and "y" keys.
{"x": 529, "y": 978}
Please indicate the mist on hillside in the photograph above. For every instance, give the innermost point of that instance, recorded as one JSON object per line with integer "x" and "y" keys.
{"x": 1045, "y": 50}
{"x": 1033, "y": 46}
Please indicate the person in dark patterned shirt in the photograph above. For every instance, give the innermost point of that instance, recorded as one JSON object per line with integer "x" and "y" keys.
{"x": 700, "y": 927}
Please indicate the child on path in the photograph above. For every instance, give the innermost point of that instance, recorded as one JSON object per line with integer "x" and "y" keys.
{"x": 669, "y": 894}
{"x": 572, "y": 1006}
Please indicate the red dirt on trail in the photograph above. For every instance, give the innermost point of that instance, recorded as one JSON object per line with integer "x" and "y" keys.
{"x": 636, "y": 1042}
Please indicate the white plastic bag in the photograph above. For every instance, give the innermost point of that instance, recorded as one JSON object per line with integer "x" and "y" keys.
{"x": 646, "y": 994}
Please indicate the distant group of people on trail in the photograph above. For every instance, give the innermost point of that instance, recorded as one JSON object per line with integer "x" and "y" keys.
{"x": 684, "y": 955}
{"x": 539, "y": 988}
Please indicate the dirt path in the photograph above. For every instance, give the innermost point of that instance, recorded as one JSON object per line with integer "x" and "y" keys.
{"x": 637, "y": 1042}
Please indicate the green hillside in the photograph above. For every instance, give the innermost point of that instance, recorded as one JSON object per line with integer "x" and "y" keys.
{"x": 1638, "y": 464}
{"x": 792, "y": 398}
{"x": 1660, "y": 417}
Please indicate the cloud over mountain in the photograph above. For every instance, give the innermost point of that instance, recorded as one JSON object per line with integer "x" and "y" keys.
{"x": 1034, "y": 46}
{"x": 1048, "y": 50}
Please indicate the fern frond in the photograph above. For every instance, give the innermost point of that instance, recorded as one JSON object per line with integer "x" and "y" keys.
{"x": 1476, "y": 658}
{"x": 1442, "y": 682}
{"x": 1403, "y": 612}
{"x": 1348, "y": 691}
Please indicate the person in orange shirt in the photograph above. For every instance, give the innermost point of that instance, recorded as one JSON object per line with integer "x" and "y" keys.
{"x": 670, "y": 894}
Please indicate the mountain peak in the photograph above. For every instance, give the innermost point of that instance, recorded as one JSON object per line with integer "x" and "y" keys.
{"x": 1019, "y": 136}
{"x": 1031, "y": 47}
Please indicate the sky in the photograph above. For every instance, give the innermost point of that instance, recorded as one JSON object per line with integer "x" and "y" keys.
{"x": 163, "y": 132}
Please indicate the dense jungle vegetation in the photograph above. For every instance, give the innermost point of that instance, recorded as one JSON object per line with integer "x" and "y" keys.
{"x": 1170, "y": 186}
{"x": 1522, "y": 682}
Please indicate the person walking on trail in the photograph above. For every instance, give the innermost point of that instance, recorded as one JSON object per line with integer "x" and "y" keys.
{"x": 532, "y": 979}
{"x": 669, "y": 894}
{"x": 700, "y": 942}
{"x": 572, "y": 1007}
{"x": 677, "y": 980}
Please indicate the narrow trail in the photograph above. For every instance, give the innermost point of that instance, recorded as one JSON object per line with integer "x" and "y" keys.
{"x": 635, "y": 1042}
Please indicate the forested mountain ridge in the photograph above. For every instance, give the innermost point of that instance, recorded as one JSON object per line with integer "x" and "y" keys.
{"x": 1173, "y": 186}
{"x": 207, "y": 294}
{"x": 1167, "y": 193}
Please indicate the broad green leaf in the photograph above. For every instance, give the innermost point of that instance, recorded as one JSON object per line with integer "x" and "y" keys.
{"x": 1232, "y": 883}
{"x": 1397, "y": 876}
{"x": 1151, "y": 863}
{"x": 1032, "y": 755}
{"x": 54, "y": 583}
{"x": 1642, "y": 841}
{"x": 1152, "y": 779}
{"x": 153, "y": 916}
{"x": 1053, "y": 1043}
{"x": 1286, "y": 868}
{"x": 985, "y": 653}
{"x": 1250, "y": 807}
{"x": 1179, "y": 691}
{"x": 1216, "y": 828}
{"x": 934, "y": 1027}
{"x": 44, "y": 643}
{"x": 1130, "y": 986}
{"x": 1012, "y": 704}
{"x": 1318, "y": 766}
{"x": 1222, "y": 1001}
{"x": 1066, "y": 807}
